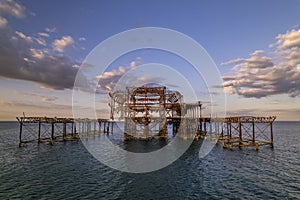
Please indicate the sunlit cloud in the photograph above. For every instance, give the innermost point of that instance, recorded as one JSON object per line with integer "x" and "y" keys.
{"x": 23, "y": 36}
{"x": 12, "y": 8}
{"x": 260, "y": 76}
{"x": 289, "y": 40}
{"x": 36, "y": 53}
{"x": 41, "y": 41}
{"x": 20, "y": 61}
{"x": 109, "y": 79}
{"x": 61, "y": 44}
{"x": 43, "y": 34}
{"x": 3, "y": 22}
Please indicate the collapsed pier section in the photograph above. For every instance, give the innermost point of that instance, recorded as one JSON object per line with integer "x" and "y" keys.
{"x": 53, "y": 129}
{"x": 247, "y": 131}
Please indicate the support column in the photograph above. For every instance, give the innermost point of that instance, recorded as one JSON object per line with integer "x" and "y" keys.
{"x": 271, "y": 132}
{"x": 20, "y": 134}
{"x": 107, "y": 128}
{"x": 72, "y": 129}
{"x": 240, "y": 133}
{"x": 253, "y": 132}
{"x": 64, "y": 131}
{"x": 39, "y": 132}
{"x": 104, "y": 123}
{"x": 230, "y": 127}
{"x": 201, "y": 125}
{"x": 99, "y": 122}
{"x": 52, "y": 133}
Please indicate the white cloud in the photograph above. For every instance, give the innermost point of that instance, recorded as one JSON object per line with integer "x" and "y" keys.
{"x": 12, "y": 8}
{"x": 41, "y": 41}
{"x": 23, "y": 36}
{"x": 3, "y": 22}
{"x": 82, "y": 39}
{"x": 61, "y": 44}
{"x": 36, "y": 53}
{"x": 232, "y": 62}
{"x": 43, "y": 34}
{"x": 260, "y": 76}
{"x": 19, "y": 60}
{"x": 257, "y": 52}
{"x": 289, "y": 40}
{"x": 50, "y": 30}
{"x": 108, "y": 80}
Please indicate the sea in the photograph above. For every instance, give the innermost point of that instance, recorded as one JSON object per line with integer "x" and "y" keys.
{"x": 66, "y": 170}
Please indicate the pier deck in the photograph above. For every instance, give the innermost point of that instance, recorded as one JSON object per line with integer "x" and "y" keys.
{"x": 232, "y": 132}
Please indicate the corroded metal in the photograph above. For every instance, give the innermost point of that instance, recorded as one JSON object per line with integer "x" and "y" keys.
{"x": 146, "y": 111}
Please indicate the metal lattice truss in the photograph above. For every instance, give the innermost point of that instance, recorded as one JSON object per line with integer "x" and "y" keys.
{"x": 147, "y": 110}
{"x": 145, "y": 102}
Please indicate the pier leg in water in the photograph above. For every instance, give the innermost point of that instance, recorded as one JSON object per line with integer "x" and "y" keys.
{"x": 20, "y": 134}
{"x": 52, "y": 133}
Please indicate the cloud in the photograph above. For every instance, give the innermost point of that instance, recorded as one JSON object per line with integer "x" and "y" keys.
{"x": 82, "y": 39}
{"x": 20, "y": 61}
{"x": 289, "y": 40}
{"x": 48, "y": 99}
{"x": 50, "y": 30}
{"x": 42, "y": 97}
{"x": 41, "y": 41}
{"x": 61, "y": 44}
{"x": 3, "y": 22}
{"x": 12, "y": 8}
{"x": 108, "y": 80}
{"x": 260, "y": 76}
{"x": 37, "y": 53}
{"x": 43, "y": 34}
{"x": 23, "y": 36}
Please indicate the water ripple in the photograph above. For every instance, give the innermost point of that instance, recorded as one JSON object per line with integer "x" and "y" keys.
{"x": 68, "y": 171}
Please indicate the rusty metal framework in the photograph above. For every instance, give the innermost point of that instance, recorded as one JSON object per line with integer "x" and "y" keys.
{"x": 247, "y": 131}
{"x": 51, "y": 129}
{"x": 146, "y": 111}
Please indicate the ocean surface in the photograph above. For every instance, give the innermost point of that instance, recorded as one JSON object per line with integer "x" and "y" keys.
{"x": 68, "y": 171}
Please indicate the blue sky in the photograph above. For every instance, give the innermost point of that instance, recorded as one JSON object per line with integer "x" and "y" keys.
{"x": 255, "y": 45}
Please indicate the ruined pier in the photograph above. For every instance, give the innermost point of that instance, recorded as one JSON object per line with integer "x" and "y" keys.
{"x": 147, "y": 112}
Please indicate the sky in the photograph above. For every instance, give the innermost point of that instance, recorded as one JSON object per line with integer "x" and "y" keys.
{"x": 255, "y": 45}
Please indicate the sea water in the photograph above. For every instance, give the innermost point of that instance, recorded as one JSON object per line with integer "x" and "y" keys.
{"x": 66, "y": 170}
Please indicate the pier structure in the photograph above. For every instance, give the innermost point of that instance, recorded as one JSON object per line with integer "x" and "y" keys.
{"x": 151, "y": 112}
{"x": 238, "y": 131}
{"x": 51, "y": 129}
{"x": 147, "y": 111}
{"x": 247, "y": 131}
